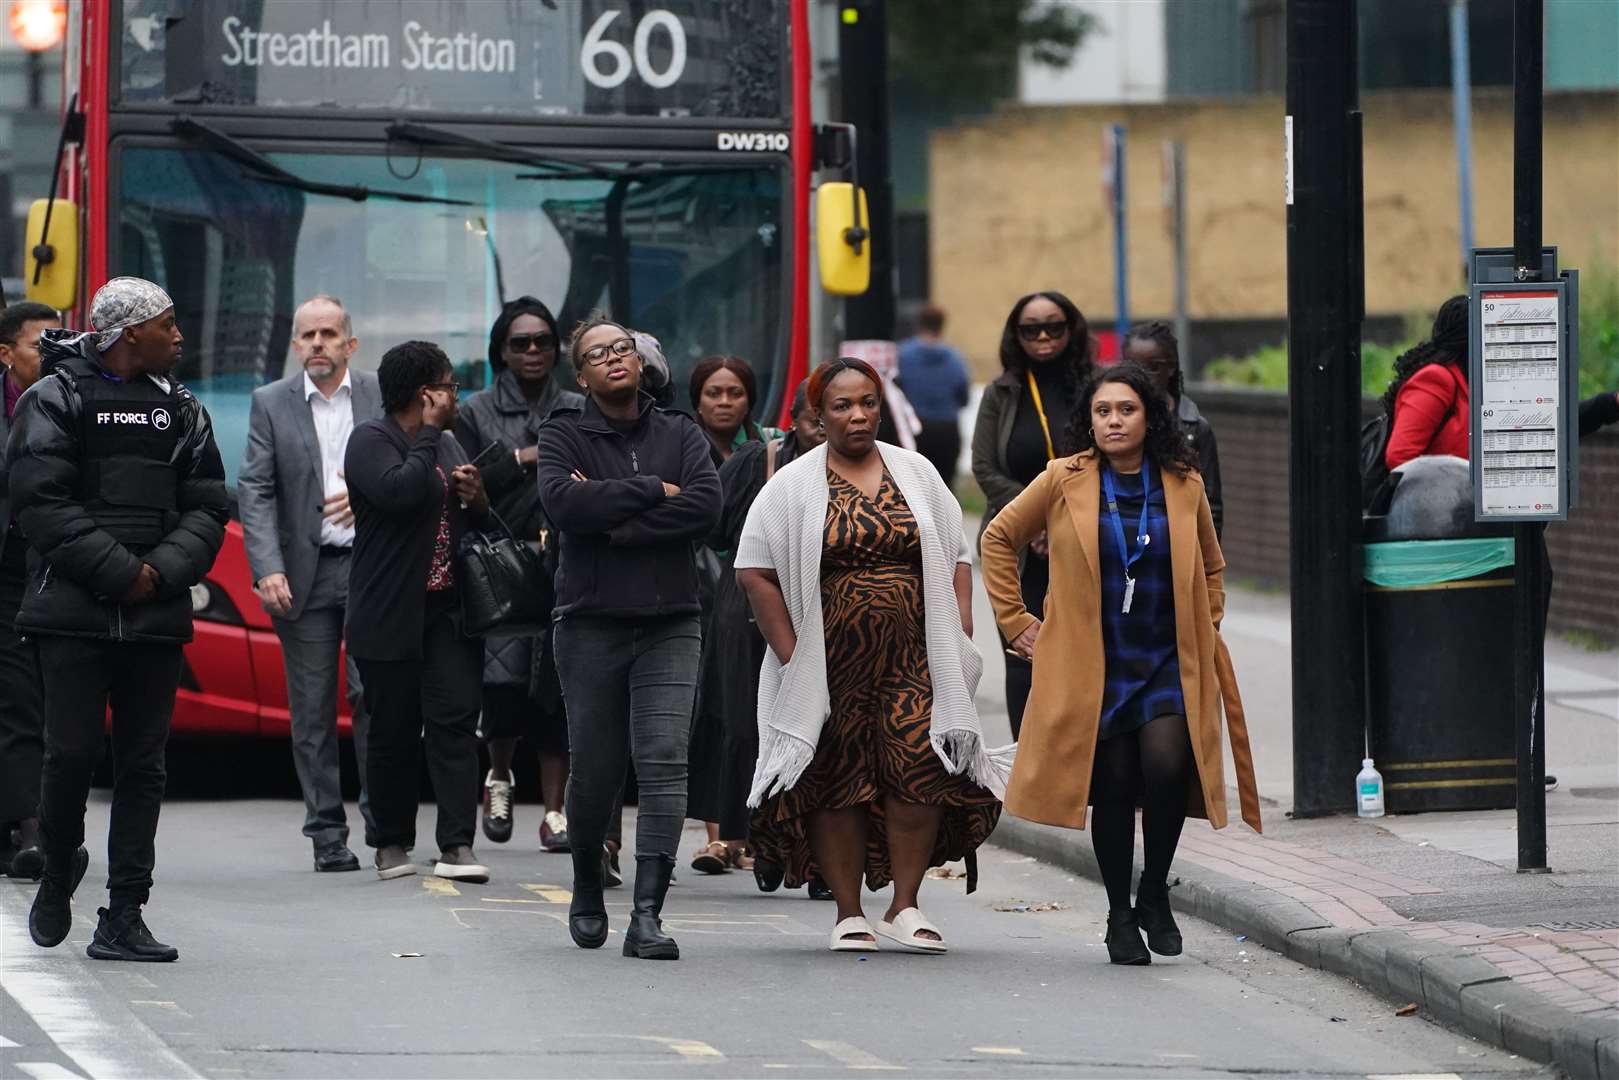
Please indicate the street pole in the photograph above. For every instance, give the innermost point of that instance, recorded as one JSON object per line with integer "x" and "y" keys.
{"x": 1461, "y": 88}
{"x": 1175, "y": 172}
{"x": 863, "y": 60}
{"x": 1325, "y": 306}
{"x": 1121, "y": 244}
{"x": 1529, "y": 633}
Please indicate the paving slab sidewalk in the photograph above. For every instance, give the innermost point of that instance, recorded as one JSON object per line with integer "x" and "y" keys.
{"x": 1425, "y": 909}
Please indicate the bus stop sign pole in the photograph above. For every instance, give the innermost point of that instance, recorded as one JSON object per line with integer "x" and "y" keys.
{"x": 1529, "y": 630}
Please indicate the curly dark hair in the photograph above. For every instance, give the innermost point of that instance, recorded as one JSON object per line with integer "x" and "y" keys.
{"x": 406, "y": 368}
{"x": 704, "y": 371}
{"x": 1165, "y": 445}
{"x": 1162, "y": 335}
{"x": 1446, "y": 344}
{"x": 1075, "y": 361}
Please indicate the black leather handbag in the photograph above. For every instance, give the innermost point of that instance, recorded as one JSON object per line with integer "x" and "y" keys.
{"x": 504, "y": 584}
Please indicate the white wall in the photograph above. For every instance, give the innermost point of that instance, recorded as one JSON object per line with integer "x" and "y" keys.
{"x": 1122, "y": 59}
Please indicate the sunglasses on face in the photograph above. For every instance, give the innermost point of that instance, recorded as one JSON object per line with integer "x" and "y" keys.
{"x": 522, "y": 343}
{"x": 1033, "y": 331}
{"x": 597, "y": 355}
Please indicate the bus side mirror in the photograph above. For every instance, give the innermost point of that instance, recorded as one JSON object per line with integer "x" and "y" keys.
{"x": 843, "y": 238}
{"x": 51, "y": 261}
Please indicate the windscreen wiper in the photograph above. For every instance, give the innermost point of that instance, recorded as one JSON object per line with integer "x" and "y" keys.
{"x": 268, "y": 171}
{"x": 430, "y": 135}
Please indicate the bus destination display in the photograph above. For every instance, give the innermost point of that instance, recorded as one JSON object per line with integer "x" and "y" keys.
{"x": 698, "y": 58}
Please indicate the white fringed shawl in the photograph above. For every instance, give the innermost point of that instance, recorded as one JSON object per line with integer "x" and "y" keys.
{"x": 784, "y": 533}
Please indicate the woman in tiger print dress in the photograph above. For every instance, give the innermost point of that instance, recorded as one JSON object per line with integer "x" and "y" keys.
{"x": 876, "y": 801}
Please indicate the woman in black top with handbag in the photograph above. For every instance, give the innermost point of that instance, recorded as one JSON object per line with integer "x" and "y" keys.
{"x": 499, "y": 427}
{"x": 1045, "y": 362}
{"x": 414, "y": 496}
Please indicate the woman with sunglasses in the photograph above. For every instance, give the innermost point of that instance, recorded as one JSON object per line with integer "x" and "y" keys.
{"x": 631, "y": 489}
{"x": 1022, "y": 417}
{"x": 500, "y": 428}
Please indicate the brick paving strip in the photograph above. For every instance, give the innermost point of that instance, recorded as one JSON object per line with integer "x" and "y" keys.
{"x": 1549, "y": 995}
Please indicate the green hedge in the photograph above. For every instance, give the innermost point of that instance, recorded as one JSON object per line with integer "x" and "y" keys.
{"x": 1599, "y": 348}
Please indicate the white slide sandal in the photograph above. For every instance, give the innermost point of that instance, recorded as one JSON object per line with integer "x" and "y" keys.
{"x": 904, "y": 929}
{"x": 844, "y": 937}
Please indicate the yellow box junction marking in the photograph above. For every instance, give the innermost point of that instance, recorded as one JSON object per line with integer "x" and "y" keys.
{"x": 439, "y": 886}
{"x": 551, "y": 894}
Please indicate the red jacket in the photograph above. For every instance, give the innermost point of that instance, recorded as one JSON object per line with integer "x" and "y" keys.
{"x": 1431, "y": 416}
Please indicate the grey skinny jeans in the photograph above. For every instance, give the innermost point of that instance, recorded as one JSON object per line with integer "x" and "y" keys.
{"x": 629, "y": 685}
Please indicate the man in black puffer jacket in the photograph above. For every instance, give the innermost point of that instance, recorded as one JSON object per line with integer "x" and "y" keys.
{"x": 119, "y": 488}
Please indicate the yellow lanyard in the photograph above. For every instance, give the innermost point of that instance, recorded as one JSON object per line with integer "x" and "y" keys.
{"x": 1040, "y": 410}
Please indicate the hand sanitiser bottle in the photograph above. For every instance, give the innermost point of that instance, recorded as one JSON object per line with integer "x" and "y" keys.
{"x": 1369, "y": 790}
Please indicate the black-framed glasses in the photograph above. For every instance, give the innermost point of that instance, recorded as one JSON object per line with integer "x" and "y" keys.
{"x": 522, "y": 343}
{"x": 1033, "y": 331}
{"x": 452, "y": 386}
{"x": 597, "y": 355}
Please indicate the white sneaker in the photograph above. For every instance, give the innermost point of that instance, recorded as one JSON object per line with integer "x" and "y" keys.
{"x": 458, "y": 864}
{"x": 554, "y": 832}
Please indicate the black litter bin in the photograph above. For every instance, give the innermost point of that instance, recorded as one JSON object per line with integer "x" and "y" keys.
{"x": 1439, "y": 688}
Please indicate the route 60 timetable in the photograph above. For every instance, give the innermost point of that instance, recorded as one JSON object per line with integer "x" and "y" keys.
{"x": 1521, "y": 439}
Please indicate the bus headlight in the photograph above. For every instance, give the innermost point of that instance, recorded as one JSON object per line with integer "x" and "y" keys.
{"x": 201, "y": 597}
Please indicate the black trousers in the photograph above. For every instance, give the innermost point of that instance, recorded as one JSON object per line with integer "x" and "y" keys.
{"x": 434, "y": 700}
{"x": 22, "y": 705}
{"x": 82, "y": 677}
{"x": 940, "y": 442}
{"x": 1035, "y": 579}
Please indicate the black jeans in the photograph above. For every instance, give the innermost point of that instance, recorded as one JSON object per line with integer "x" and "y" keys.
{"x": 1035, "y": 579}
{"x": 435, "y": 699}
{"x": 629, "y": 686}
{"x": 22, "y": 706}
{"x": 940, "y": 442}
{"x": 82, "y": 675}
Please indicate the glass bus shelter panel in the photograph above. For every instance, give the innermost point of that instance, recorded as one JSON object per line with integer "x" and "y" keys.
{"x": 694, "y": 258}
{"x": 720, "y": 59}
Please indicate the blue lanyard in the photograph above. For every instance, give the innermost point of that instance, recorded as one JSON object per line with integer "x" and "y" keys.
{"x": 1143, "y": 537}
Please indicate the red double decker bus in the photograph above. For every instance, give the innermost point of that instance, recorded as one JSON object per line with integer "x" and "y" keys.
{"x": 425, "y": 160}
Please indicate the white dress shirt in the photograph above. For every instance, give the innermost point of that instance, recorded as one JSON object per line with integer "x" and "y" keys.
{"x": 334, "y": 423}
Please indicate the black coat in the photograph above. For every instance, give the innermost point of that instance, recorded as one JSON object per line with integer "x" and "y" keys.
{"x": 626, "y": 546}
{"x": 1200, "y": 436}
{"x": 397, "y": 498}
{"x": 80, "y": 570}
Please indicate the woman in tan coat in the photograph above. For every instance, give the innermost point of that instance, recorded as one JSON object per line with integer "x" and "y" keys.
{"x": 1129, "y": 668}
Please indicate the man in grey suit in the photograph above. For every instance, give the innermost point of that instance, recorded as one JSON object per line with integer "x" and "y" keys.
{"x": 300, "y": 532}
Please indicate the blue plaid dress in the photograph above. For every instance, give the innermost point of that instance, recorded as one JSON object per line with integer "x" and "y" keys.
{"x": 1143, "y": 669}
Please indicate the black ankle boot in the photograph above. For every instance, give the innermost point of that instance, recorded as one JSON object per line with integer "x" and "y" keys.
{"x": 1153, "y": 913}
{"x": 1124, "y": 944}
{"x": 51, "y": 916}
{"x": 646, "y": 938}
{"x": 587, "y": 912}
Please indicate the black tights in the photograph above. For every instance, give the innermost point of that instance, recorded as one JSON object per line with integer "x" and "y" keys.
{"x": 1153, "y": 763}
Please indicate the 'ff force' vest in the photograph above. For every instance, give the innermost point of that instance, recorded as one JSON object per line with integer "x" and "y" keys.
{"x": 128, "y": 481}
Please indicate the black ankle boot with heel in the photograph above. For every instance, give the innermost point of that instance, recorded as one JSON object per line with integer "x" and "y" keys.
{"x": 587, "y": 911}
{"x": 645, "y": 938}
{"x": 1124, "y": 944}
{"x": 1157, "y": 920}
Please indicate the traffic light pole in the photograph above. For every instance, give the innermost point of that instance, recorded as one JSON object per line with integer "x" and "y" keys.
{"x": 863, "y": 60}
{"x": 1325, "y": 306}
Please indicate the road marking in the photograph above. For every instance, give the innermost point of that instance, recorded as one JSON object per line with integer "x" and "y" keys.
{"x": 74, "y": 1011}
{"x": 1009, "y": 1051}
{"x": 47, "y": 1070}
{"x": 850, "y": 1057}
{"x": 1413, "y": 1076}
{"x": 691, "y": 1048}
{"x": 439, "y": 886}
{"x": 7, "y": 1044}
{"x": 551, "y": 894}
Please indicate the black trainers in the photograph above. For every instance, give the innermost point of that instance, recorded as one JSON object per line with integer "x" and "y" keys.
{"x": 124, "y": 936}
{"x": 335, "y": 858}
{"x": 1124, "y": 944}
{"x": 497, "y": 808}
{"x": 51, "y": 917}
